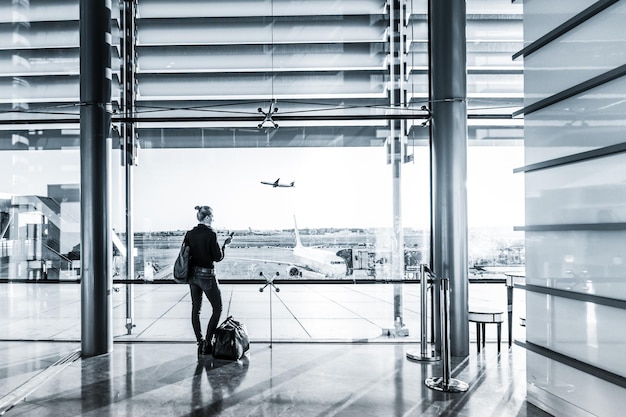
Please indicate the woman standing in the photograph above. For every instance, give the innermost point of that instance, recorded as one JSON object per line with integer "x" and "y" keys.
{"x": 204, "y": 251}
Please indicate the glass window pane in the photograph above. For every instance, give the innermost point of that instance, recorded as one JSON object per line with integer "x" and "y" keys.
{"x": 320, "y": 58}
{"x": 226, "y": 31}
{"x": 149, "y": 9}
{"x": 587, "y": 192}
{"x": 588, "y": 261}
{"x": 583, "y": 331}
{"x": 258, "y": 58}
{"x": 572, "y": 126}
{"x": 40, "y": 214}
{"x": 547, "y": 15}
{"x": 587, "y": 51}
{"x": 17, "y": 12}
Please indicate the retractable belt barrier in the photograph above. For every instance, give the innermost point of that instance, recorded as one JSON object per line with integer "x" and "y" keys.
{"x": 445, "y": 383}
{"x": 424, "y": 355}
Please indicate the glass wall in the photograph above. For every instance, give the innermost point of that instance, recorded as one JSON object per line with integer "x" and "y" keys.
{"x": 575, "y": 214}
{"x": 226, "y": 96}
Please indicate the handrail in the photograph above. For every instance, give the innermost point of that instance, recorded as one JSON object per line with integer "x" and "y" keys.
{"x": 574, "y": 158}
{"x": 57, "y": 253}
{"x": 6, "y": 227}
{"x": 252, "y": 281}
{"x": 585, "y": 86}
{"x": 571, "y": 227}
{"x": 582, "y": 366}
{"x": 574, "y": 295}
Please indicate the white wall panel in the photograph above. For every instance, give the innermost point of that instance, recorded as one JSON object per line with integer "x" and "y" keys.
{"x": 580, "y": 394}
{"x": 584, "y": 331}
{"x": 575, "y": 212}
{"x": 542, "y": 16}
{"x": 593, "y": 191}
{"x": 591, "y": 120}
{"x": 592, "y": 49}
{"x": 590, "y": 262}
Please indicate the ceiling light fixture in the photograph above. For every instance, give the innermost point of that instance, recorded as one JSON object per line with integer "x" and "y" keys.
{"x": 268, "y": 115}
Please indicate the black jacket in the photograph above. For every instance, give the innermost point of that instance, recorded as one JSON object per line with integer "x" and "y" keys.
{"x": 203, "y": 247}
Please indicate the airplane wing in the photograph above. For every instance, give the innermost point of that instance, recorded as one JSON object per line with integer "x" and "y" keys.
{"x": 266, "y": 261}
{"x": 281, "y": 263}
{"x": 273, "y": 184}
{"x": 273, "y": 261}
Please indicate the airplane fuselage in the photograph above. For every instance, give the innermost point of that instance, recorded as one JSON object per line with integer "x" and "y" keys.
{"x": 278, "y": 184}
{"x": 322, "y": 261}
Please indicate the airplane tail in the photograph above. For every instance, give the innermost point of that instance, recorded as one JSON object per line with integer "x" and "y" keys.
{"x": 295, "y": 228}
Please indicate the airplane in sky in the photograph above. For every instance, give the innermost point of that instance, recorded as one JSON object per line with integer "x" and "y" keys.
{"x": 278, "y": 184}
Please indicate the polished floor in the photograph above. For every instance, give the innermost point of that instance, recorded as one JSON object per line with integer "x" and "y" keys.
{"x": 303, "y": 313}
{"x": 282, "y": 379}
{"x": 329, "y": 356}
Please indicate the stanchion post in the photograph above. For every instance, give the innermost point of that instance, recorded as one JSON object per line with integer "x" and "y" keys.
{"x": 424, "y": 355}
{"x": 269, "y": 281}
{"x": 445, "y": 383}
{"x": 509, "y": 303}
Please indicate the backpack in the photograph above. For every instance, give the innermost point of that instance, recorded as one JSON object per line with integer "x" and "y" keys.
{"x": 181, "y": 266}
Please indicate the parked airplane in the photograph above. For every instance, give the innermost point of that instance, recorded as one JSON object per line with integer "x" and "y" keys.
{"x": 278, "y": 184}
{"x": 496, "y": 271}
{"x": 262, "y": 232}
{"x": 329, "y": 263}
{"x": 315, "y": 261}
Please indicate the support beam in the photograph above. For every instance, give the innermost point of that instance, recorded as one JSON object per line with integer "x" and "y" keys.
{"x": 130, "y": 147}
{"x": 449, "y": 161}
{"x": 95, "y": 146}
{"x": 395, "y": 158}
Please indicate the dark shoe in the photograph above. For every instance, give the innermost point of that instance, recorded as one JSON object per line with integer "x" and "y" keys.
{"x": 200, "y": 344}
{"x": 207, "y": 349}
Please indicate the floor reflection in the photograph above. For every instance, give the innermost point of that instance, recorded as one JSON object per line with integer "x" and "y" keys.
{"x": 286, "y": 379}
{"x": 216, "y": 379}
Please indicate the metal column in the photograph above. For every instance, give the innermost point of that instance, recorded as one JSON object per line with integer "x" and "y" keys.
{"x": 448, "y": 95}
{"x": 95, "y": 146}
{"x": 395, "y": 138}
{"x": 130, "y": 147}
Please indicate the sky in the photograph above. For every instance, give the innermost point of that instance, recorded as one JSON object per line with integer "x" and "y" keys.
{"x": 335, "y": 187}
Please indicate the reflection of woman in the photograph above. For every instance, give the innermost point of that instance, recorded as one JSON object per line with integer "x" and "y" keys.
{"x": 204, "y": 251}
{"x": 224, "y": 377}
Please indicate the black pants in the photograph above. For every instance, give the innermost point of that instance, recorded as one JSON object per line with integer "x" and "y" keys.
{"x": 208, "y": 285}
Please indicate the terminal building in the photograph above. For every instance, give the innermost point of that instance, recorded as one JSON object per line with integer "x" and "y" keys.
{"x": 463, "y": 158}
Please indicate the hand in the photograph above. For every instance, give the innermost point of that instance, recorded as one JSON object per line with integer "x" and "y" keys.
{"x": 228, "y": 239}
